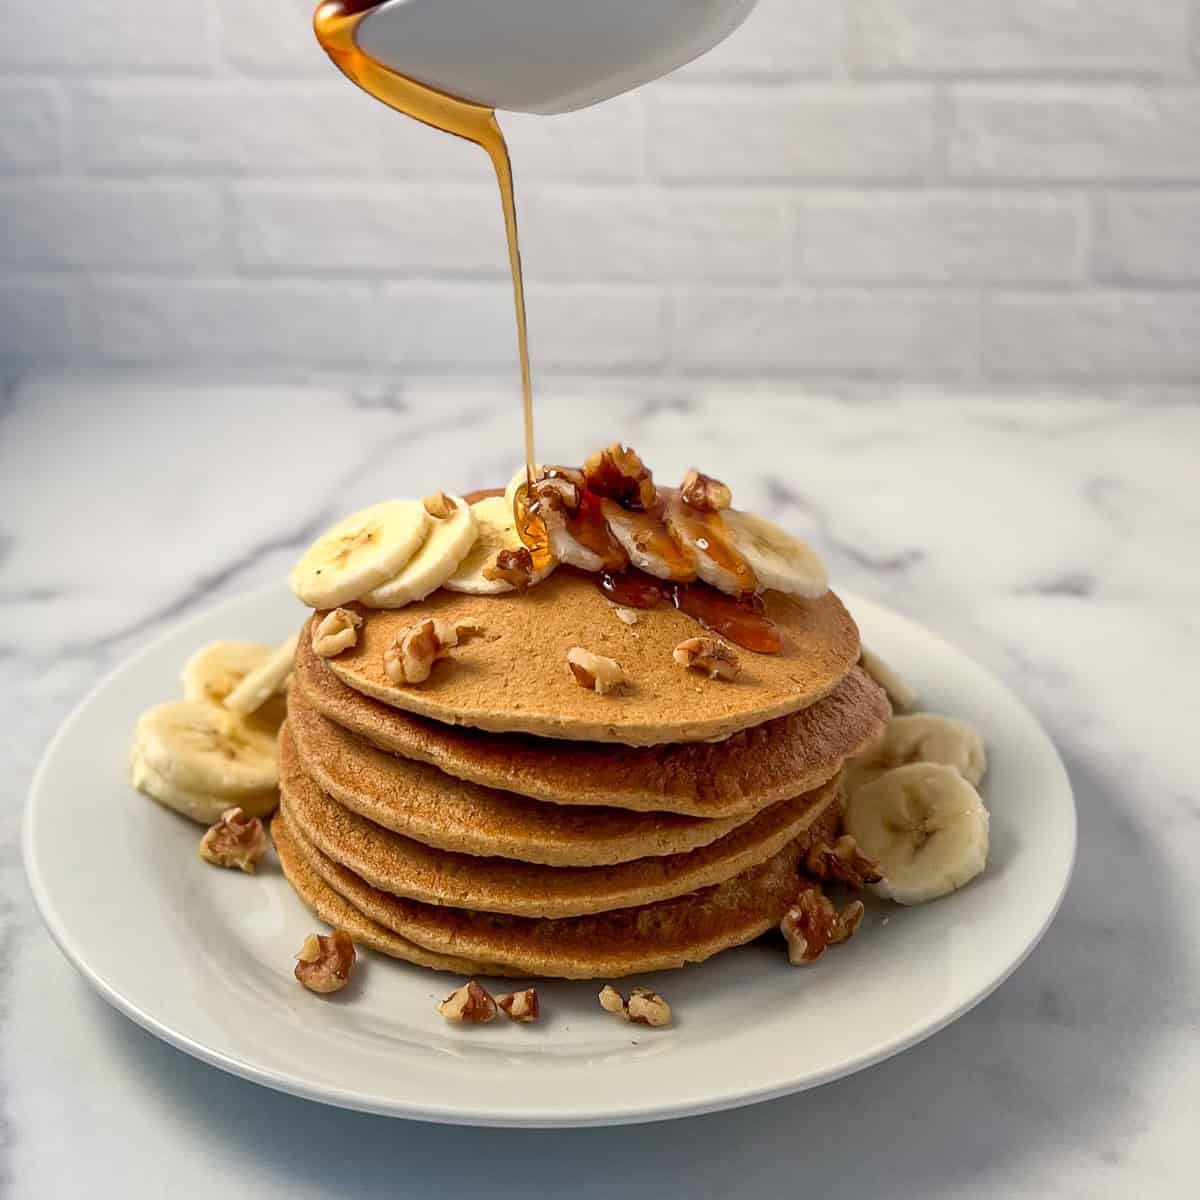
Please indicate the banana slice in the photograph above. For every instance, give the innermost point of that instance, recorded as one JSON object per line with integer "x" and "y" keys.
{"x": 920, "y": 738}
{"x": 195, "y": 805}
{"x": 777, "y": 559}
{"x": 203, "y": 749}
{"x": 217, "y": 669}
{"x": 359, "y": 553}
{"x": 267, "y": 679}
{"x": 449, "y": 541}
{"x": 903, "y": 698}
{"x": 495, "y": 531}
{"x": 925, "y": 826}
{"x": 708, "y": 541}
{"x": 518, "y": 481}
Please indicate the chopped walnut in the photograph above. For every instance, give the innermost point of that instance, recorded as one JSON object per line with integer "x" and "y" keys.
{"x": 335, "y": 632}
{"x": 643, "y": 1007}
{"x": 324, "y": 963}
{"x": 512, "y": 566}
{"x": 648, "y": 1008}
{"x": 612, "y": 1001}
{"x": 522, "y": 1007}
{"x": 410, "y": 657}
{"x": 438, "y": 505}
{"x": 842, "y": 861}
{"x": 620, "y": 475}
{"x": 629, "y": 616}
{"x": 812, "y": 924}
{"x": 595, "y": 672}
{"x": 557, "y": 495}
{"x": 471, "y": 1004}
{"x": 236, "y": 840}
{"x": 713, "y": 657}
{"x": 705, "y": 493}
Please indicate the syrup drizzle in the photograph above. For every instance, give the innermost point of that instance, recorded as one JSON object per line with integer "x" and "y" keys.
{"x": 334, "y": 23}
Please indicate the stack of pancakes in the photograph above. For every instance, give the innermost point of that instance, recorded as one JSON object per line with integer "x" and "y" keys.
{"x": 501, "y": 819}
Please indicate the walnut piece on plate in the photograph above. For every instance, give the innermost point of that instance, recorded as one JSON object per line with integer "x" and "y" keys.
{"x": 843, "y": 862}
{"x": 324, "y": 963}
{"x": 813, "y": 924}
{"x": 522, "y": 1007}
{"x": 471, "y": 1004}
{"x": 236, "y": 840}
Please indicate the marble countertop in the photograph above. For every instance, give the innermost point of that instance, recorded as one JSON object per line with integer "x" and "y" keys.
{"x": 1054, "y": 538}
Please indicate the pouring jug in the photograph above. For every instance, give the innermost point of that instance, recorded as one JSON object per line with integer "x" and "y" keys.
{"x": 542, "y": 56}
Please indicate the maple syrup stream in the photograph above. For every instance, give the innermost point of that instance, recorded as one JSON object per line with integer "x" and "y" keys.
{"x": 743, "y": 621}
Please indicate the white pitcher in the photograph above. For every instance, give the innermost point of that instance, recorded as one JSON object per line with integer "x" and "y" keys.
{"x": 543, "y": 56}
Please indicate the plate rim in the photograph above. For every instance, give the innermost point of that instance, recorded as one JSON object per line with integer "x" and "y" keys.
{"x": 466, "y": 1115}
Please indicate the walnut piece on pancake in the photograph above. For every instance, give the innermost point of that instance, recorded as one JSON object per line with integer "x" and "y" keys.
{"x": 710, "y": 655}
{"x": 813, "y": 924}
{"x": 644, "y": 1007}
{"x": 236, "y": 840}
{"x": 438, "y": 505}
{"x": 410, "y": 657}
{"x": 595, "y": 672}
{"x": 843, "y": 862}
{"x": 514, "y": 567}
{"x": 619, "y": 474}
{"x": 705, "y": 493}
{"x": 627, "y": 616}
{"x": 336, "y": 631}
{"x": 325, "y": 962}
{"x": 471, "y": 1004}
{"x": 522, "y": 1007}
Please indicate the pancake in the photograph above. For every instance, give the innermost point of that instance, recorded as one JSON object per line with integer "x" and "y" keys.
{"x": 740, "y": 775}
{"x": 514, "y": 678}
{"x": 402, "y": 867}
{"x": 423, "y": 804}
{"x": 671, "y": 933}
{"x": 341, "y": 914}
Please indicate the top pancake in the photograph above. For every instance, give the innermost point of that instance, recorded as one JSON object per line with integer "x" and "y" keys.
{"x": 740, "y": 775}
{"x": 514, "y": 677}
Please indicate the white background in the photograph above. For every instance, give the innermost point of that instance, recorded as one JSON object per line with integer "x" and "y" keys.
{"x": 958, "y": 190}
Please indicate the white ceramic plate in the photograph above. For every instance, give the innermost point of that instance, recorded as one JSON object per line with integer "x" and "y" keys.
{"x": 203, "y": 958}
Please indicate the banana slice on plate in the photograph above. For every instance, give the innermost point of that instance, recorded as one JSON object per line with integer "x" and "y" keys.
{"x": 448, "y": 542}
{"x": 195, "y": 805}
{"x": 920, "y": 738}
{"x": 496, "y": 530}
{"x": 777, "y": 559}
{"x": 925, "y": 826}
{"x": 264, "y": 681}
{"x": 903, "y": 698}
{"x": 203, "y": 749}
{"x": 359, "y": 553}
{"x": 217, "y": 669}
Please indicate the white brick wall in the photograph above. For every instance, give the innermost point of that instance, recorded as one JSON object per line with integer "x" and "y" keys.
{"x": 966, "y": 190}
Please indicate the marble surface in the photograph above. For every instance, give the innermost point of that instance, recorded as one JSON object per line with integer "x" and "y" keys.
{"x": 1054, "y": 538}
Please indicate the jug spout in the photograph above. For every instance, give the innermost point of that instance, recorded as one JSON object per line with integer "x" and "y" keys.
{"x": 542, "y": 56}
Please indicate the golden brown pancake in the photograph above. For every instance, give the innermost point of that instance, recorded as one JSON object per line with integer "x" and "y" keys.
{"x": 740, "y": 775}
{"x": 627, "y": 941}
{"x": 406, "y": 868}
{"x": 341, "y": 914}
{"x": 437, "y": 810}
{"x": 514, "y": 678}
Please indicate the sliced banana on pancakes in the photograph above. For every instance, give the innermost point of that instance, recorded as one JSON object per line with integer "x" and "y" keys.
{"x": 201, "y": 748}
{"x": 920, "y": 738}
{"x": 359, "y": 553}
{"x": 925, "y": 826}
{"x": 495, "y": 530}
{"x": 447, "y": 543}
{"x": 778, "y": 559}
